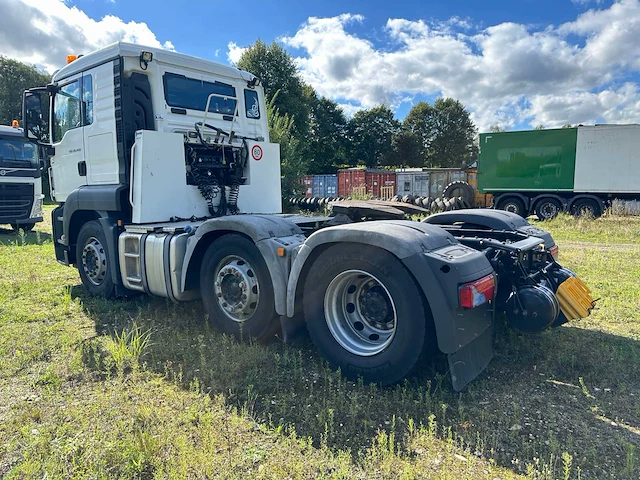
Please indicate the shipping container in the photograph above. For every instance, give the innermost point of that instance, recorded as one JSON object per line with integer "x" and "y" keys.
{"x": 381, "y": 183}
{"x": 307, "y": 182}
{"x": 427, "y": 182}
{"x": 412, "y": 181}
{"x": 350, "y": 179}
{"x": 325, "y": 185}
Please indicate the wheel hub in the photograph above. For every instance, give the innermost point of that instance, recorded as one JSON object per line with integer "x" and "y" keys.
{"x": 94, "y": 261}
{"x": 549, "y": 210}
{"x": 360, "y": 313}
{"x": 236, "y": 288}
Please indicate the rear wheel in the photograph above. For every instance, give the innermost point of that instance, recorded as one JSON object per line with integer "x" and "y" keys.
{"x": 236, "y": 289}
{"x": 460, "y": 188}
{"x": 548, "y": 208}
{"x": 586, "y": 207}
{"x": 513, "y": 205}
{"x": 92, "y": 259}
{"x": 365, "y": 313}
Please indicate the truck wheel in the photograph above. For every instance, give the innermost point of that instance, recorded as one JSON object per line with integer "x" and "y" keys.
{"x": 513, "y": 205}
{"x": 27, "y": 227}
{"x": 365, "y": 313}
{"x": 92, "y": 259}
{"x": 586, "y": 207}
{"x": 236, "y": 289}
{"x": 548, "y": 208}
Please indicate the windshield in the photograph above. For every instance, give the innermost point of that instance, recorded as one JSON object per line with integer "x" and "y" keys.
{"x": 15, "y": 152}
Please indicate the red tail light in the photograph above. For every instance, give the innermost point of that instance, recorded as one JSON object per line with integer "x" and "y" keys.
{"x": 474, "y": 294}
{"x": 554, "y": 251}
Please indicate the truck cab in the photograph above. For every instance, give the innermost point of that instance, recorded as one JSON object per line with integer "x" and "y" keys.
{"x": 20, "y": 182}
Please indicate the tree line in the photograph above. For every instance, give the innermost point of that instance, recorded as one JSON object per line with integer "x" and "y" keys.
{"x": 316, "y": 136}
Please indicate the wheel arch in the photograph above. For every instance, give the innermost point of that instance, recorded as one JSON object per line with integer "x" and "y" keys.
{"x": 584, "y": 196}
{"x": 401, "y": 240}
{"x": 535, "y": 201}
{"x": 500, "y": 197}
{"x": 266, "y": 232}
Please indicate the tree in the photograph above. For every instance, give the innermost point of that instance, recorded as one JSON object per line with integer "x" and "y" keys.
{"x": 328, "y": 127}
{"x": 370, "y": 136}
{"x": 567, "y": 125}
{"x": 446, "y": 130}
{"x": 496, "y": 128}
{"x": 539, "y": 127}
{"x": 278, "y": 73}
{"x": 406, "y": 152}
{"x": 15, "y": 78}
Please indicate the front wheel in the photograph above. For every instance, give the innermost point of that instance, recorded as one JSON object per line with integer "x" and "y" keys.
{"x": 513, "y": 205}
{"x": 365, "y": 313}
{"x": 236, "y": 289}
{"x": 92, "y": 259}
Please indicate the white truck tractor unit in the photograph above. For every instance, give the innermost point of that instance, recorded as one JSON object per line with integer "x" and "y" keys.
{"x": 168, "y": 185}
{"x": 20, "y": 183}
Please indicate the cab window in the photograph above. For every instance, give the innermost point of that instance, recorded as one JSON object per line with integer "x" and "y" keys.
{"x": 66, "y": 110}
{"x": 87, "y": 99}
{"x": 183, "y": 92}
{"x": 251, "y": 105}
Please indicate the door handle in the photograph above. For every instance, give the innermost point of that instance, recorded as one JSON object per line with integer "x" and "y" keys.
{"x": 82, "y": 168}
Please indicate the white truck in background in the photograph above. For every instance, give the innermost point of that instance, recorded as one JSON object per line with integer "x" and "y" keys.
{"x": 168, "y": 185}
{"x": 20, "y": 180}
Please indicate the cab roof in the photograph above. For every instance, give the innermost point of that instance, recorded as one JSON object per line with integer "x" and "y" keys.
{"x": 123, "y": 49}
{"x": 7, "y": 131}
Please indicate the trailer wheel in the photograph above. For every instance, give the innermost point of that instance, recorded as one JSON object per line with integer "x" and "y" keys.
{"x": 548, "y": 208}
{"x": 92, "y": 258}
{"x": 365, "y": 313}
{"x": 236, "y": 288}
{"x": 513, "y": 205}
{"x": 586, "y": 207}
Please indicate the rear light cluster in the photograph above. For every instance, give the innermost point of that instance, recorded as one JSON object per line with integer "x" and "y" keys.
{"x": 554, "y": 252}
{"x": 474, "y": 294}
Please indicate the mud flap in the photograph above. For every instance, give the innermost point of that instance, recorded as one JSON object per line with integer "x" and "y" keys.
{"x": 468, "y": 362}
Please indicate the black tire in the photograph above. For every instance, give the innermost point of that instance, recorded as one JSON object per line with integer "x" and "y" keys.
{"x": 548, "y": 208}
{"x": 405, "y": 347}
{"x": 460, "y": 203}
{"x": 261, "y": 323}
{"x": 460, "y": 188}
{"x": 27, "y": 227}
{"x": 439, "y": 205}
{"x": 92, "y": 260}
{"x": 586, "y": 207}
{"x": 448, "y": 204}
{"x": 513, "y": 205}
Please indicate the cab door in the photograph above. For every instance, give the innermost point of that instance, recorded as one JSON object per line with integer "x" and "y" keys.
{"x": 68, "y": 165}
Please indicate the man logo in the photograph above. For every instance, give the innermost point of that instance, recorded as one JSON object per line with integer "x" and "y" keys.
{"x": 3, "y": 173}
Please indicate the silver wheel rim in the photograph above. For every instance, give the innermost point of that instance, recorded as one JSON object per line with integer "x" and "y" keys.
{"x": 94, "y": 261}
{"x": 360, "y": 313}
{"x": 236, "y": 288}
{"x": 511, "y": 207}
{"x": 549, "y": 210}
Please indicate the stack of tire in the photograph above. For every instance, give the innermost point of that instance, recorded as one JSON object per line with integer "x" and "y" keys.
{"x": 456, "y": 196}
{"x": 311, "y": 204}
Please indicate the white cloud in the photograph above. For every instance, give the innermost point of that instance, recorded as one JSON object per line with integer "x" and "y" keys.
{"x": 234, "y": 52}
{"x": 508, "y": 73}
{"x": 44, "y": 32}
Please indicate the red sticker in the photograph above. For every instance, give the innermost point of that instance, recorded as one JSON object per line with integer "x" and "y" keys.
{"x": 256, "y": 152}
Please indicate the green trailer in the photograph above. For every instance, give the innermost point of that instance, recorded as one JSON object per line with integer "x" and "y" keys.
{"x": 580, "y": 170}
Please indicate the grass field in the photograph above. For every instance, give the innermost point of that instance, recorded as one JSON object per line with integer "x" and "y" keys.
{"x": 144, "y": 389}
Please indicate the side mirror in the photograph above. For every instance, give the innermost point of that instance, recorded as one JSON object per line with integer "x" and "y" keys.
{"x": 34, "y": 116}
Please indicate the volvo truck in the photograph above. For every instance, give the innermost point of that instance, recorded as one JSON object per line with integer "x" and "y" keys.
{"x": 168, "y": 184}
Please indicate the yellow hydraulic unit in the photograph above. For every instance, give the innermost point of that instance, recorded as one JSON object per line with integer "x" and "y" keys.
{"x": 575, "y": 298}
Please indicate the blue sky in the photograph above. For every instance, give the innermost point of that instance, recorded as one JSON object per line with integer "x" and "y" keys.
{"x": 513, "y": 63}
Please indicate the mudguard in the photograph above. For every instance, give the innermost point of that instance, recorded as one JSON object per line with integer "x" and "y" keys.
{"x": 439, "y": 265}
